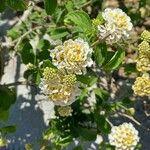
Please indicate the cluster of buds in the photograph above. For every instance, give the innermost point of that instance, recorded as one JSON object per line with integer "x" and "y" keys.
{"x": 141, "y": 86}
{"x": 59, "y": 87}
{"x": 65, "y": 111}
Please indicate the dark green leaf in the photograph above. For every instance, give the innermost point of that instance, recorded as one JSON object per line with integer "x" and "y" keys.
{"x": 80, "y": 19}
{"x": 100, "y": 53}
{"x": 47, "y": 63}
{"x": 89, "y": 80}
{"x": 115, "y": 61}
{"x": 7, "y": 98}
{"x": 87, "y": 134}
{"x": 8, "y": 129}
{"x": 102, "y": 123}
{"x": 50, "y": 6}
{"x": 143, "y": 3}
{"x": 4, "y": 115}
{"x": 79, "y": 147}
{"x": 27, "y": 53}
{"x": 2, "y": 5}
{"x": 130, "y": 68}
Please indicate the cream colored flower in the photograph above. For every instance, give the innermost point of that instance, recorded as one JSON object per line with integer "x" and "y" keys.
{"x": 65, "y": 111}
{"x": 74, "y": 56}
{"x": 141, "y": 86}
{"x": 59, "y": 87}
{"x": 30, "y": 66}
{"x": 144, "y": 48}
{"x": 124, "y": 137}
{"x": 3, "y": 142}
{"x": 145, "y": 36}
{"x": 143, "y": 63}
{"x": 117, "y": 25}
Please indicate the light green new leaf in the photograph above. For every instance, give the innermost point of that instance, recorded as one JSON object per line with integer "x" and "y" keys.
{"x": 50, "y": 6}
{"x": 103, "y": 94}
{"x": 115, "y": 61}
{"x": 80, "y": 18}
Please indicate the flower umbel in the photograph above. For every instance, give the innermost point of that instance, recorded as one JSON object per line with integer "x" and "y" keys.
{"x": 124, "y": 137}
{"x": 145, "y": 36}
{"x": 3, "y": 142}
{"x": 65, "y": 111}
{"x": 74, "y": 56}
{"x": 117, "y": 25}
{"x": 59, "y": 87}
{"x": 143, "y": 63}
{"x": 144, "y": 48}
{"x": 141, "y": 86}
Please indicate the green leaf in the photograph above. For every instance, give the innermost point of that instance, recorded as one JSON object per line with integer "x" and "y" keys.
{"x": 17, "y": 4}
{"x": 115, "y": 61}
{"x": 8, "y": 129}
{"x": 104, "y": 95}
{"x": 102, "y": 123}
{"x": 59, "y": 33}
{"x": 2, "y": 5}
{"x": 7, "y": 98}
{"x": 27, "y": 54}
{"x": 33, "y": 76}
{"x": 84, "y": 93}
{"x": 50, "y": 6}
{"x": 130, "y": 68}
{"x": 80, "y": 18}
{"x": 100, "y": 53}
{"x": 142, "y": 3}
{"x": 47, "y": 63}
{"x": 79, "y": 147}
{"x": 4, "y": 115}
{"x": 87, "y": 134}
{"x": 89, "y": 80}
{"x": 69, "y": 6}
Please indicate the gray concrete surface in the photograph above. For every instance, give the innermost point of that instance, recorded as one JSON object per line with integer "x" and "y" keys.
{"x": 31, "y": 111}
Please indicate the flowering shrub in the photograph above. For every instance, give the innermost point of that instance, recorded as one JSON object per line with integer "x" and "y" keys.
{"x": 74, "y": 53}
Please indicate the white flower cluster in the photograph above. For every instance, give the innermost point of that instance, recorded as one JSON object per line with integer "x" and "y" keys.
{"x": 124, "y": 137}
{"x": 117, "y": 25}
{"x": 74, "y": 56}
{"x": 59, "y": 87}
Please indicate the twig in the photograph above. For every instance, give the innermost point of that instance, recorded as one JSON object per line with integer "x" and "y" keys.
{"x": 24, "y": 35}
{"x": 86, "y": 4}
{"x": 19, "y": 83}
{"x": 134, "y": 120}
{"x": 100, "y": 40}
